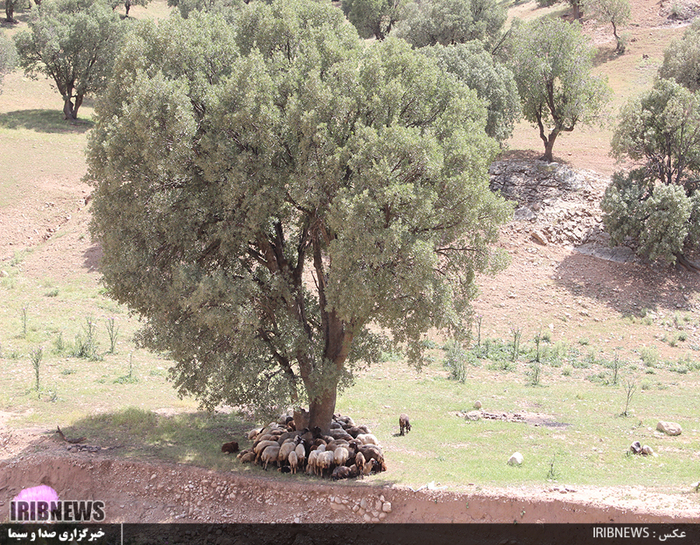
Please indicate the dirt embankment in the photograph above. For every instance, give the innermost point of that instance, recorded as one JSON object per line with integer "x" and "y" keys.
{"x": 136, "y": 491}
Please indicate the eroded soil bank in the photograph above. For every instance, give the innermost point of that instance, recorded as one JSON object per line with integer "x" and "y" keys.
{"x": 137, "y": 491}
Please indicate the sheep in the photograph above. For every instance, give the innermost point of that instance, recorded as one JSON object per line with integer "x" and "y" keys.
{"x": 252, "y": 434}
{"x": 293, "y": 462}
{"x": 300, "y": 452}
{"x": 247, "y": 456}
{"x": 269, "y": 455}
{"x": 404, "y": 424}
{"x": 360, "y": 462}
{"x": 369, "y": 467}
{"x": 229, "y": 448}
{"x": 340, "y": 472}
{"x": 285, "y": 449}
{"x": 368, "y": 439}
{"x": 311, "y": 462}
{"x": 340, "y": 456}
{"x": 260, "y": 447}
{"x": 324, "y": 462}
{"x": 375, "y": 453}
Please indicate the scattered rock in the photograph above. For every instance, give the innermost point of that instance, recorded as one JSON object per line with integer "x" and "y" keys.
{"x": 515, "y": 459}
{"x": 636, "y": 447}
{"x": 540, "y": 238}
{"x": 477, "y": 405}
{"x": 648, "y": 451}
{"x": 669, "y": 428}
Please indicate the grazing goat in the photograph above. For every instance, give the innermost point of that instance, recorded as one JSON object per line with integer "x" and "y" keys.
{"x": 404, "y": 424}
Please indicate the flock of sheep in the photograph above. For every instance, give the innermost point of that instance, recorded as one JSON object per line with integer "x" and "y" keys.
{"x": 349, "y": 451}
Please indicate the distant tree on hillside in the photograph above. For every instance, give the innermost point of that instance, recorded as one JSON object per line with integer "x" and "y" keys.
{"x": 8, "y": 55}
{"x": 225, "y": 7}
{"x": 373, "y": 17}
{"x": 682, "y": 59}
{"x": 615, "y": 12}
{"x": 74, "y": 43}
{"x": 128, "y": 4}
{"x": 492, "y": 81}
{"x": 449, "y": 22}
{"x": 552, "y": 61}
{"x": 658, "y": 205}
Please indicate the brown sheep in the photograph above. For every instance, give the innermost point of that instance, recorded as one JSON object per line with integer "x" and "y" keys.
{"x": 404, "y": 424}
{"x": 229, "y": 448}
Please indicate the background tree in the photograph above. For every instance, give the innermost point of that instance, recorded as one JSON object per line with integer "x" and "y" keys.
{"x": 448, "y": 22}
{"x": 552, "y": 60}
{"x": 262, "y": 198}
{"x": 74, "y": 43}
{"x": 492, "y": 81}
{"x": 372, "y": 17}
{"x": 226, "y": 7}
{"x": 657, "y": 205}
{"x": 682, "y": 59}
{"x": 8, "y": 55}
{"x": 128, "y": 4}
{"x": 615, "y": 12}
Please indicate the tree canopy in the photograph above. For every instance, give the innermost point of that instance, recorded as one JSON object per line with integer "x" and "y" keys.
{"x": 658, "y": 205}
{"x": 552, "y": 61}
{"x": 8, "y": 55}
{"x": 73, "y": 42}
{"x": 492, "y": 81}
{"x": 615, "y": 12}
{"x": 448, "y": 22}
{"x": 266, "y": 191}
{"x": 682, "y": 59}
{"x": 373, "y": 17}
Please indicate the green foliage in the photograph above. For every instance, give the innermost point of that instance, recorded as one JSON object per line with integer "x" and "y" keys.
{"x": 372, "y": 18}
{"x": 682, "y": 59}
{"x": 492, "y": 81}
{"x": 615, "y": 12}
{"x": 8, "y": 55}
{"x": 662, "y": 127}
{"x": 227, "y": 8}
{"x": 265, "y": 190}
{"x": 658, "y": 205}
{"x": 456, "y": 359}
{"x": 73, "y": 42}
{"x": 450, "y": 22}
{"x": 36, "y": 356}
{"x": 552, "y": 61}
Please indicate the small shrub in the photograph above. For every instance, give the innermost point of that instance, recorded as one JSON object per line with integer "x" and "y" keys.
{"x": 566, "y": 372}
{"x": 113, "y": 332}
{"x": 36, "y": 356}
{"x": 51, "y": 293}
{"x": 68, "y": 372}
{"x": 59, "y": 345}
{"x": 455, "y": 361}
{"x": 649, "y": 356}
{"x": 535, "y": 373}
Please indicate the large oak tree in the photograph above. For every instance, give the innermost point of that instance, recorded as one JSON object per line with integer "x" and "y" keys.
{"x": 271, "y": 196}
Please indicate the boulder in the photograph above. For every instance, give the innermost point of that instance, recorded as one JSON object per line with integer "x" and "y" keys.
{"x": 636, "y": 447}
{"x": 516, "y": 459}
{"x": 669, "y": 428}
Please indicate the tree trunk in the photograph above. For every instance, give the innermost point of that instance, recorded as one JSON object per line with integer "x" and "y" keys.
{"x": 10, "y": 11}
{"x": 322, "y": 408}
{"x": 68, "y": 109}
{"x": 548, "y": 146}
